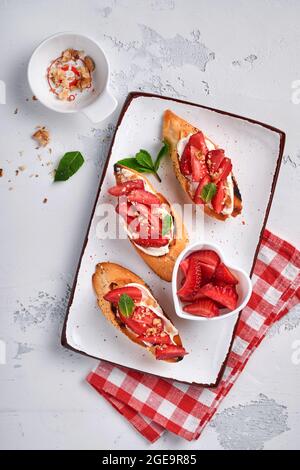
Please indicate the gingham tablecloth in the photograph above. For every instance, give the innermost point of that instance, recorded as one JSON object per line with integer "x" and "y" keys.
{"x": 153, "y": 405}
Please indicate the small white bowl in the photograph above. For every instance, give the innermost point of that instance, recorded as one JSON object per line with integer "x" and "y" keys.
{"x": 97, "y": 103}
{"x": 244, "y": 287}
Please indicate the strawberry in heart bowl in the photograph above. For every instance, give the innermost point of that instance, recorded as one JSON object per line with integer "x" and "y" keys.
{"x": 205, "y": 287}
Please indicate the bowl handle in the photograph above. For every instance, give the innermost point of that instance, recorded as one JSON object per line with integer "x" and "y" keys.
{"x": 101, "y": 108}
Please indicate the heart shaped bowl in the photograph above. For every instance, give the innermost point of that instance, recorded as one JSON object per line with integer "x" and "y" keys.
{"x": 244, "y": 287}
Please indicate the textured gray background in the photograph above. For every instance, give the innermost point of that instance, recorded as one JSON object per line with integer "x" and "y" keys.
{"x": 239, "y": 56}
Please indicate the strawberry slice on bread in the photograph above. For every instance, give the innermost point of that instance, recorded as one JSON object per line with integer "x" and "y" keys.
{"x": 129, "y": 305}
{"x": 154, "y": 228}
{"x": 203, "y": 170}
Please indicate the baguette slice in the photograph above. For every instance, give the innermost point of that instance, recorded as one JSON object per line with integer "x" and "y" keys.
{"x": 162, "y": 265}
{"x": 109, "y": 276}
{"x": 174, "y": 129}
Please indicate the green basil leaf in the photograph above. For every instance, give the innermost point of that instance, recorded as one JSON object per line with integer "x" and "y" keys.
{"x": 68, "y": 165}
{"x": 165, "y": 150}
{"x": 126, "y": 305}
{"x": 144, "y": 159}
{"x": 132, "y": 163}
{"x": 208, "y": 192}
{"x": 166, "y": 224}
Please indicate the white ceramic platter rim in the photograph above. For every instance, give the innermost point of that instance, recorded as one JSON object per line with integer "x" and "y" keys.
{"x": 132, "y": 96}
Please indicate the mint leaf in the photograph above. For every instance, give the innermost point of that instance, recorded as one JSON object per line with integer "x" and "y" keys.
{"x": 68, "y": 165}
{"x": 126, "y": 305}
{"x": 208, "y": 192}
{"x": 165, "y": 150}
{"x": 166, "y": 224}
{"x": 132, "y": 163}
{"x": 144, "y": 159}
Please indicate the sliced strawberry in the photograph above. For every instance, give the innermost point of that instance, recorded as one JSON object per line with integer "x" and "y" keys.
{"x": 185, "y": 161}
{"x": 225, "y": 295}
{"x": 137, "y": 327}
{"x": 123, "y": 189}
{"x": 143, "y": 197}
{"x": 197, "y": 197}
{"x": 223, "y": 274}
{"x": 198, "y": 296}
{"x": 151, "y": 242}
{"x": 197, "y": 140}
{"x": 139, "y": 209}
{"x": 218, "y": 199}
{"x": 199, "y": 168}
{"x": 214, "y": 159}
{"x": 192, "y": 281}
{"x": 184, "y": 264}
{"x": 141, "y": 320}
{"x": 147, "y": 317}
{"x": 224, "y": 170}
{"x": 122, "y": 209}
{"x": 114, "y": 295}
{"x": 209, "y": 261}
{"x": 202, "y": 308}
{"x": 150, "y": 218}
{"x": 156, "y": 339}
{"x": 169, "y": 352}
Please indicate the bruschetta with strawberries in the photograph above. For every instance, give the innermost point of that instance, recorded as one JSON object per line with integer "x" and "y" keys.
{"x": 154, "y": 229}
{"x": 202, "y": 168}
{"x": 129, "y": 305}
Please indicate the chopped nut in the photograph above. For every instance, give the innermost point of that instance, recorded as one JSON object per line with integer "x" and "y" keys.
{"x": 89, "y": 63}
{"x": 22, "y": 168}
{"x": 1, "y": 172}
{"x": 42, "y": 136}
{"x": 34, "y": 98}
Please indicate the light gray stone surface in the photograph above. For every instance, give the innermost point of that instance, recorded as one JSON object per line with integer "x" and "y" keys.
{"x": 238, "y": 56}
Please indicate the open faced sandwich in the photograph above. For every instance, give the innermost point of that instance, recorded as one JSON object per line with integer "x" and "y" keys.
{"x": 129, "y": 305}
{"x": 203, "y": 169}
{"x": 154, "y": 229}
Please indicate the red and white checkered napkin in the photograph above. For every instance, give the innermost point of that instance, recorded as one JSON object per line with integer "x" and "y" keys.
{"x": 153, "y": 405}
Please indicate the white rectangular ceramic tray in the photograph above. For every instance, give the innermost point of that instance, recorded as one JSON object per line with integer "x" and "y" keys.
{"x": 256, "y": 151}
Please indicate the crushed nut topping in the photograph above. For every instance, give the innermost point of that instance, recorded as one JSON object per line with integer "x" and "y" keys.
{"x": 42, "y": 136}
{"x": 69, "y": 73}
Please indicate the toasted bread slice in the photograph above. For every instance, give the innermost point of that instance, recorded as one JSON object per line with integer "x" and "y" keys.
{"x": 174, "y": 129}
{"x": 162, "y": 265}
{"x": 110, "y": 276}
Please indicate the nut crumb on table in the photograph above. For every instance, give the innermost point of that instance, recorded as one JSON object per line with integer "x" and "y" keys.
{"x": 42, "y": 136}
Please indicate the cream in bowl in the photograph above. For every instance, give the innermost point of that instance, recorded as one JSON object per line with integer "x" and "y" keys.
{"x": 206, "y": 287}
